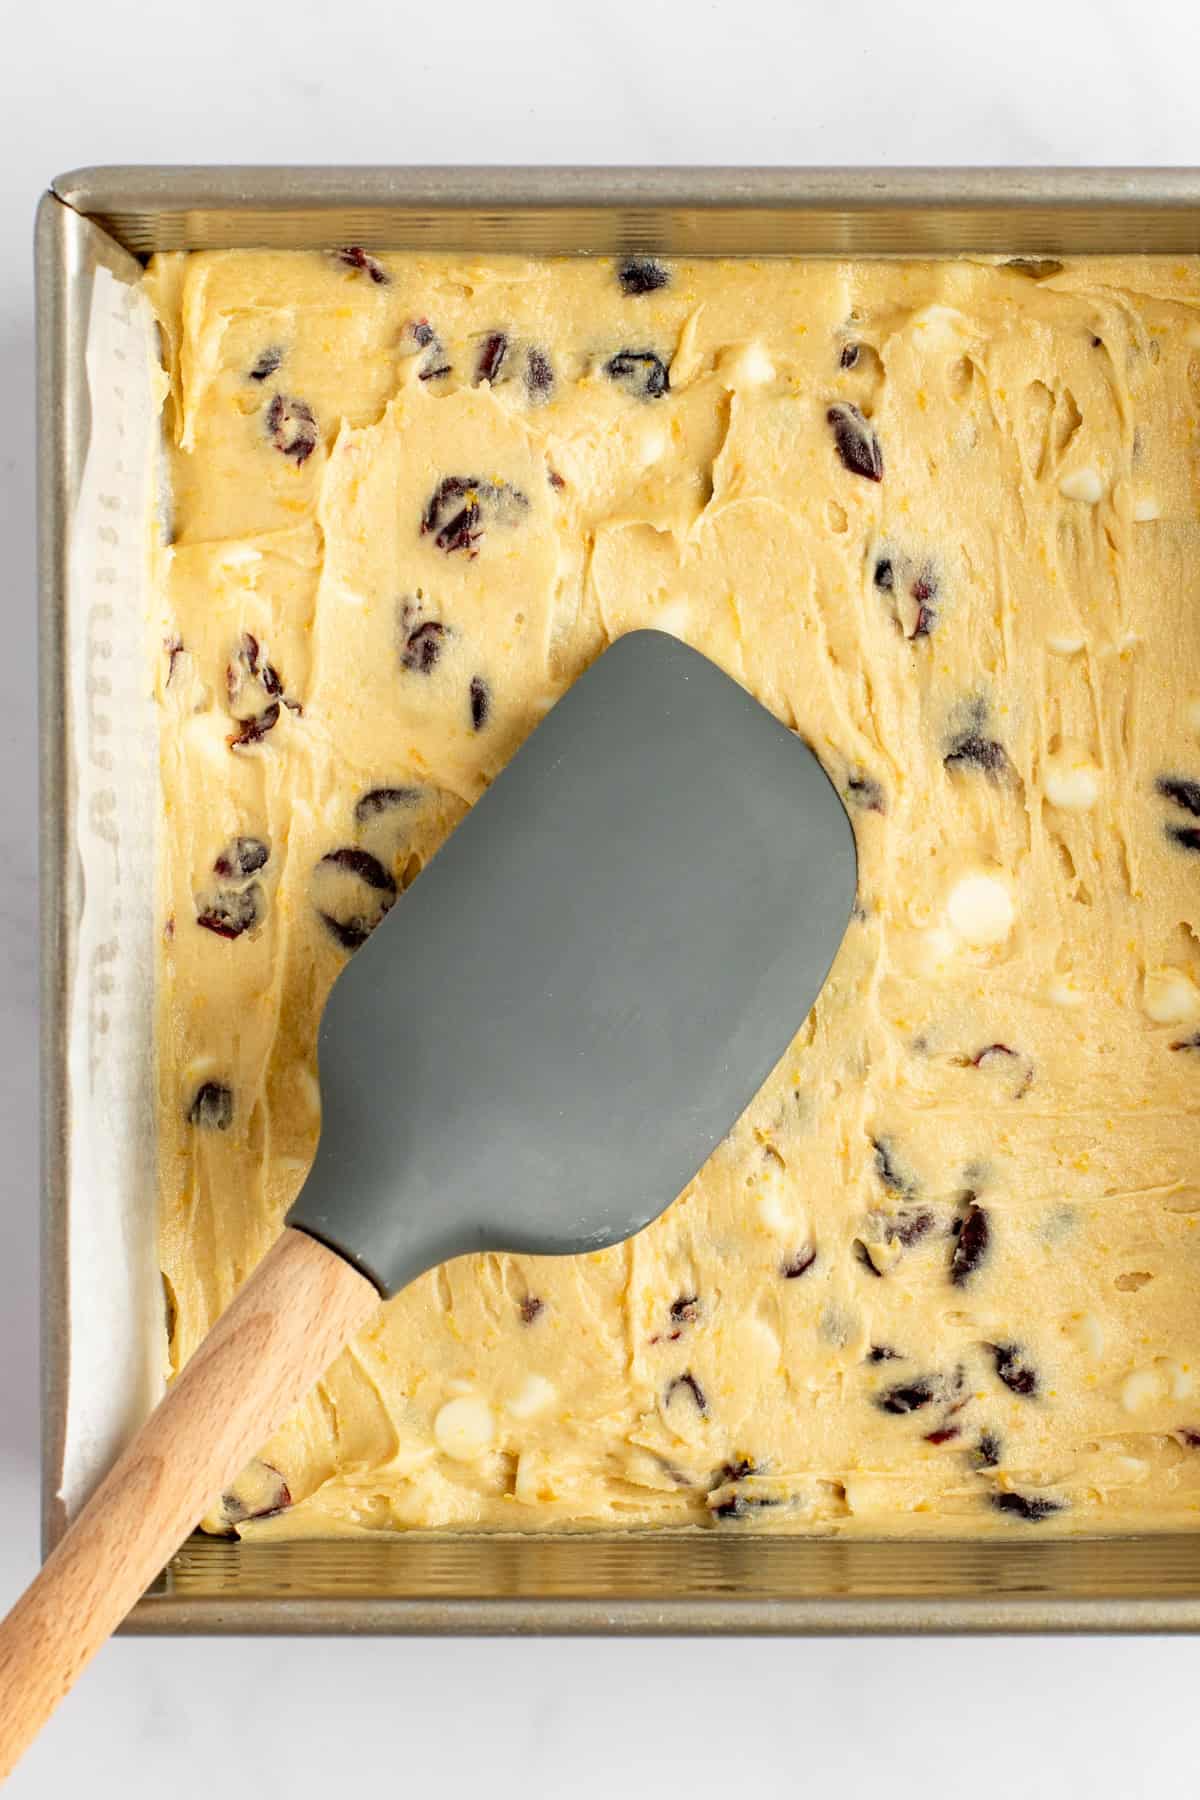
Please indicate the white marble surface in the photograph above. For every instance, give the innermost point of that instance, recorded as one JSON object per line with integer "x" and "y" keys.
{"x": 567, "y": 80}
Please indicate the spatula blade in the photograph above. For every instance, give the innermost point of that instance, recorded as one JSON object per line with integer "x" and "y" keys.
{"x": 542, "y": 1042}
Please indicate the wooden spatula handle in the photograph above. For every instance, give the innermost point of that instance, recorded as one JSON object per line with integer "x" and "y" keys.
{"x": 288, "y": 1323}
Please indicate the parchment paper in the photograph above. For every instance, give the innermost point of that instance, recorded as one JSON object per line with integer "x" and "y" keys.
{"x": 117, "y": 1322}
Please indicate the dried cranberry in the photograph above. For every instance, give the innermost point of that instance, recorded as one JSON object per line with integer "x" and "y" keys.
{"x": 255, "y": 729}
{"x": 642, "y": 275}
{"x": 530, "y": 1307}
{"x": 855, "y": 441}
{"x": 1182, "y": 792}
{"x": 422, "y": 647}
{"x": 925, "y": 618}
{"x": 421, "y": 336}
{"x": 539, "y": 374}
{"x": 909, "y": 1227}
{"x": 481, "y": 702}
{"x": 1015, "y": 1374}
{"x": 687, "y": 1383}
{"x": 849, "y": 357}
{"x": 983, "y": 754}
{"x": 908, "y": 1397}
{"x": 1187, "y": 1043}
{"x": 212, "y": 1107}
{"x": 174, "y": 648}
{"x": 357, "y": 258}
{"x": 866, "y": 793}
{"x": 798, "y": 1265}
{"x": 1030, "y": 1507}
{"x": 377, "y": 801}
{"x": 231, "y": 911}
{"x": 882, "y": 1353}
{"x": 458, "y": 506}
{"x": 266, "y": 364}
{"x": 492, "y": 352}
{"x": 259, "y": 1492}
{"x": 738, "y": 1505}
{"x": 292, "y": 428}
{"x": 1189, "y": 1437}
{"x": 368, "y": 868}
{"x": 685, "y": 1310}
{"x": 862, "y": 1255}
{"x": 241, "y": 856}
{"x": 888, "y": 1170}
{"x": 351, "y": 892}
{"x": 464, "y": 527}
{"x": 1186, "y": 836}
{"x": 911, "y": 595}
{"x": 972, "y": 1244}
{"x": 944, "y": 1434}
{"x": 555, "y": 479}
{"x": 255, "y": 691}
{"x": 641, "y": 372}
{"x": 987, "y": 1450}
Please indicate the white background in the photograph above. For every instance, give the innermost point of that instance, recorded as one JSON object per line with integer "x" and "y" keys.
{"x": 1111, "y": 81}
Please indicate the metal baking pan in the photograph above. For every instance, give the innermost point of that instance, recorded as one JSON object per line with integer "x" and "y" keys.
{"x": 647, "y": 1582}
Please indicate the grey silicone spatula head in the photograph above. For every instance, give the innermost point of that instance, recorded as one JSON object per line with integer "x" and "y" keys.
{"x": 544, "y": 1040}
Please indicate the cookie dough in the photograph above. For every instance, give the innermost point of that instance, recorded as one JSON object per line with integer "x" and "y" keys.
{"x": 942, "y": 518}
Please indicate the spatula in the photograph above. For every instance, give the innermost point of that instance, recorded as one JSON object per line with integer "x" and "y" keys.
{"x": 534, "y": 1052}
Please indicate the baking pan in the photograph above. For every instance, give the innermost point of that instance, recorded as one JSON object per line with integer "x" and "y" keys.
{"x": 646, "y": 1582}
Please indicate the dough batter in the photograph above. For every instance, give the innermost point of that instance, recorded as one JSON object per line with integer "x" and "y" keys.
{"x": 944, "y": 1276}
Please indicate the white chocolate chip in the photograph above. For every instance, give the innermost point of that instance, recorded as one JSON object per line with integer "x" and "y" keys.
{"x": 773, "y": 1213}
{"x": 759, "y": 1346}
{"x": 1072, "y": 779}
{"x": 1087, "y": 1332}
{"x": 464, "y": 1428}
{"x": 1145, "y": 507}
{"x": 756, "y": 366}
{"x": 307, "y": 1090}
{"x": 1179, "y": 1379}
{"x": 531, "y": 1485}
{"x": 1170, "y": 996}
{"x": 747, "y": 365}
{"x": 1062, "y": 991}
{"x": 1141, "y": 1389}
{"x": 1065, "y": 643}
{"x": 980, "y": 909}
{"x": 674, "y": 617}
{"x": 771, "y": 1198}
{"x": 651, "y": 445}
{"x": 1082, "y": 484}
{"x": 235, "y": 555}
{"x": 938, "y": 949}
{"x": 775, "y": 1201}
{"x": 942, "y": 323}
{"x": 533, "y": 1396}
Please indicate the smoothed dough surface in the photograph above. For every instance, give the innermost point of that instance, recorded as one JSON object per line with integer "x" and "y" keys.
{"x": 944, "y": 1276}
